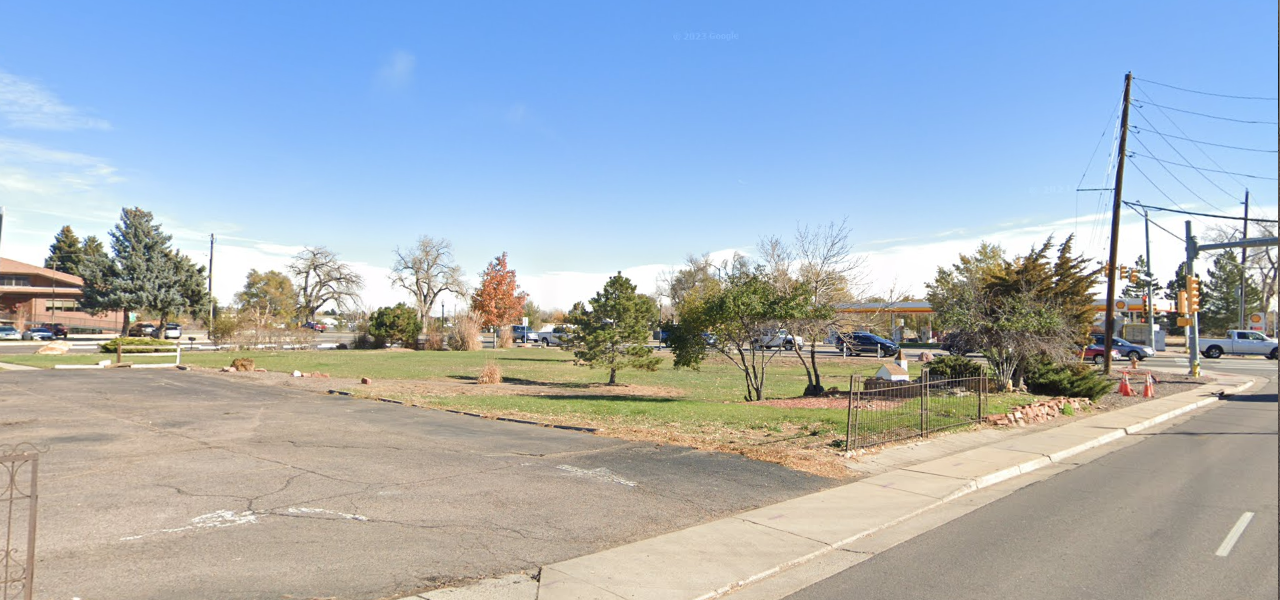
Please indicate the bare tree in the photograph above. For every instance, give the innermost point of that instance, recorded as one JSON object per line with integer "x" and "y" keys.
{"x": 1261, "y": 265}
{"x": 698, "y": 276}
{"x": 427, "y": 270}
{"x": 820, "y": 267}
{"x": 320, "y": 278}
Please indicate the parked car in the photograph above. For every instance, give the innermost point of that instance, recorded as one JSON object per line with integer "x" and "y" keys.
{"x": 38, "y": 333}
{"x": 141, "y": 330}
{"x": 861, "y": 342}
{"x": 1125, "y": 348}
{"x": 170, "y": 331}
{"x": 319, "y": 327}
{"x": 952, "y": 344}
{"x": 1096, "y": 354}
{"x": 1239, "y": 342}
{"x": 781, "y": 339}
{"x": 9, "y": 332}
{"x": 523, "y": 334}
{"x": 58, "y": 329}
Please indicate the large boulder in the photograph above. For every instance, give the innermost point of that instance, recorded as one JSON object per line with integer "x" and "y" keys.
{"x": 55, "y": 347}
{"x": 242, "y": 364}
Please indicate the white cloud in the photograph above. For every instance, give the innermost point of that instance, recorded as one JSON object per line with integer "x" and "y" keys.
{"x": 26, "y": 104}
{"x": 27, "y": 167}
{"x": 397, "y": 72}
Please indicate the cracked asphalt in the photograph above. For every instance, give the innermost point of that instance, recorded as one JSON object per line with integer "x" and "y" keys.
{"x": 168, "y": 484}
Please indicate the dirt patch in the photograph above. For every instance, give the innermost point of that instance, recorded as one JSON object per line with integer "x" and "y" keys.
{"x": 1167, "y": 384}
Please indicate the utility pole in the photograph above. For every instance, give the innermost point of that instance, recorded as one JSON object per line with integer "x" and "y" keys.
{"x": 1244, "y": 257}
{"x": 1151, "y": 300}
{"x": 212, "y": 303}
{"x": 1115, "y": 230}
{"x": 1193, "y": 330}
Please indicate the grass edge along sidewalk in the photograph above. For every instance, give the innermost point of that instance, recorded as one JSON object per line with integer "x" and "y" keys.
{"x": 749, "y": 547}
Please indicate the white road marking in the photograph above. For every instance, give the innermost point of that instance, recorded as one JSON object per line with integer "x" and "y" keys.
{"x": 222, "y": 518}
{"x": 303, "y": 510}
{"x": 1234, "y": 534}
{"x": 602, "y": 474}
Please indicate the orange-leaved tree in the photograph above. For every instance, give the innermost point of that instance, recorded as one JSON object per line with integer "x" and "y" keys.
{"x": 498, "y": 299}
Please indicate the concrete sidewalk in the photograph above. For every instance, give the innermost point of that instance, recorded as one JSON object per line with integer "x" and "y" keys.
{"x": 716, "y": 558}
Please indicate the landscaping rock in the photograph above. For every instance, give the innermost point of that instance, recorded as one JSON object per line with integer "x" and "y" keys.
{"x": 259, "y": 370}
{"x": 925, "y": 357}
{"x": 243, "y": 364}
{"x": 365, "y": 381}
{"x": 319, "y": 374}
{"x": 56, "y": 347}
{"x": 297, "y": 373}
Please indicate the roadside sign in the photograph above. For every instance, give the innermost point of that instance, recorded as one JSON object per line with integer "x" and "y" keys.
{"x": 1257, "y": 322}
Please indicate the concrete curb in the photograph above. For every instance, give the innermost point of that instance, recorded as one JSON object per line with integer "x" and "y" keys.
{"x": 747, "y": 548}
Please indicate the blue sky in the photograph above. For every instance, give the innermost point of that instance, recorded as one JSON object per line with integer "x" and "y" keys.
{"x": 584, "y": 138}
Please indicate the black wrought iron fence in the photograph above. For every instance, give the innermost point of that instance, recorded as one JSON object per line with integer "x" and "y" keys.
{"x": 886, "y": 411}
{"x": 18, "y": 471}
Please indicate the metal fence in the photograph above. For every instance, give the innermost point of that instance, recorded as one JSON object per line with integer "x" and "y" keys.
{"x": 18, "y": 469}
{"x": 886, "y": 411}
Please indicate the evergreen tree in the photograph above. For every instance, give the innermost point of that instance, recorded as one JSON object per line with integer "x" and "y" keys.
{"x": 65, "y": 253}
{"x": 143, "y": 272}
{"x": 93, "y": 249}
{"x": 1220, "y": 295}
{"x": 398, "y": 323}
{"x": 613, "y": 332}
{"x": 1139, "y": 289}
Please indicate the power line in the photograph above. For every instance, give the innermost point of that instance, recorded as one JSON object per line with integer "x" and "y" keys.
{"x": 1160, "y": 160}
{"x": 1162, "y": 192}
{"x": 1161, "y": 227}
{"x": 1182, "y": 89}
{"x": 1137, "y": 129}
{"x": 1175, "y": 177}
{"x": 1185, "y": 159}
{"x": 1198, "y": 114}
{"x": 1200, "y": 214}
{"x": 1180, "y": 130}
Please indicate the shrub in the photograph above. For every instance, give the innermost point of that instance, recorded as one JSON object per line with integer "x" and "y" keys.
{"x": 505, "y": 339}
{"x": 129, "y": 345}
{"x": 953, "y": 367}
{"x": 465, "y": 332}
{"x": 393, "y": 324}
{"x": 223, "y": 330}
{"x": 490, "y": 374}
{"x": 435, "y": 340}
{"x": 1073, "y": 379}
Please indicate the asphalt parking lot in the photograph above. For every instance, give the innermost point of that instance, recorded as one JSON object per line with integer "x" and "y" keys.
{"x": 168, "y": 484}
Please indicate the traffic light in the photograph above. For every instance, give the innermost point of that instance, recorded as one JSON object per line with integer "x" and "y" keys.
{"x": 1193, "y": 295}
{"x": 1133, "y": 276}
{"x": 1182, "y": 302}
{"x": 1124, "y": 272}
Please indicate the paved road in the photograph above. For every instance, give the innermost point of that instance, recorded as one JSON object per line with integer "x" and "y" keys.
{"x": 168, "y": 484}
{"x": 1146, "y": 522}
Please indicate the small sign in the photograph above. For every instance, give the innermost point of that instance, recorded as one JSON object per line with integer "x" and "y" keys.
{"x": 524, "y": 321}
{"x": 1257, "y": 322}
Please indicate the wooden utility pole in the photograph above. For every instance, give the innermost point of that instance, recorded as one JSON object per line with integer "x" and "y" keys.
{"x": 1115, "y": 230}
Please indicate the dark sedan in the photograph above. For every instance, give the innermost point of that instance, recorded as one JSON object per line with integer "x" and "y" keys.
{"x": 859, "y": 343}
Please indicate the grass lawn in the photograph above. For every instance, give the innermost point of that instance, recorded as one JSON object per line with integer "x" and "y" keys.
{"x": 703, "y": 408}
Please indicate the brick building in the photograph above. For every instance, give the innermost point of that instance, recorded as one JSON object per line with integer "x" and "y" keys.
{"x": 31, "y": 295}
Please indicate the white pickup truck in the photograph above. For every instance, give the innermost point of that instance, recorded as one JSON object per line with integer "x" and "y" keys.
{"x": 1239, "y": 342}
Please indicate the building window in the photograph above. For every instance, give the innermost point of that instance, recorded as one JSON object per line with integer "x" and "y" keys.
{"x": 61, "y": 305}
{"x": 15, "y": 280}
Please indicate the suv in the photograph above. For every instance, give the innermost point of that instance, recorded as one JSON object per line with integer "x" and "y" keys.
{"x": 59, "y": 330}
{"x": 170, "y": 331}
{"x": 523, "y": 334}
{"x": 861, "y": 342}
{"x": 141, "y": 330}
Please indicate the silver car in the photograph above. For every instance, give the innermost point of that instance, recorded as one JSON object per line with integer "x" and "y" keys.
{"x": 9, "y": 332}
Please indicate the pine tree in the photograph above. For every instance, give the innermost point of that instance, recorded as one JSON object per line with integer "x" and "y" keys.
{"x": 1220, "y": 295}
{"x": 65, "y": 253}
{"x": 498, "y": 299}
{"x": 143, "y": 272}
{"x": 612, "y": 334}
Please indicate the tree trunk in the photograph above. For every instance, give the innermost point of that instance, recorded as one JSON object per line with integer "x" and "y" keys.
{"x": 124, "y": 328}
{"x": 613, "y": 376}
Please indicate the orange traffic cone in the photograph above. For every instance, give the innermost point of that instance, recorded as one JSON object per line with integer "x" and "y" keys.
{"x": 1149, "y": 390}
{"x": 1125, "y": 388}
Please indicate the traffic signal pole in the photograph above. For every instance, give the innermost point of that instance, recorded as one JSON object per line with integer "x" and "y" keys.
{"x": 1193, "y": 331}
{"x": 1151, "y": 299}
